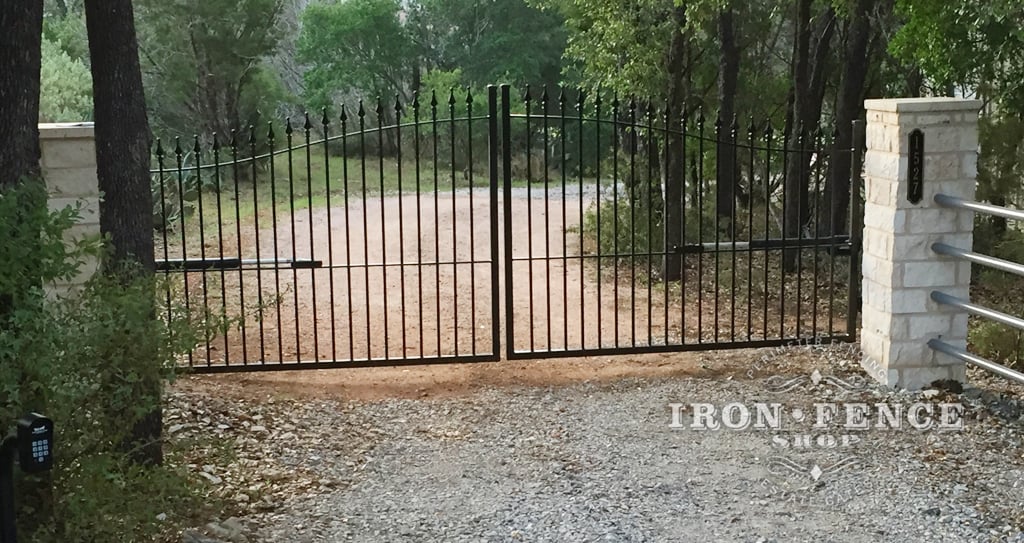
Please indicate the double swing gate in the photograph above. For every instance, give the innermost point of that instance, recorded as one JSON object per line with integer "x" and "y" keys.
{"x": 417, "y": 232}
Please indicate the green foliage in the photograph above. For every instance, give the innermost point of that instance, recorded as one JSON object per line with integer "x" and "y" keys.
{"x": 618, "y": 45}
{"x": 91, "y": 361}
{"x": 505, "y": 41}
{"x": 1001, "y": 291}
{"x": 175, "y": 192}
{"x": 33, "y": 250}
{"x": 205, "y": 62}
{"x": 453, "y": 142}
{"x": 976, "y": 44}
{"x": 370, "y": 48}
{"x": 112, "y": 500}
{"x": 263, "y": 94}
{"x": 65, "y": 24}
{"x": 998, "y": 342}
{"x": 630, "y": 226}
{"x": 354, "y": 47}
{"x": 1001, "y": 163}
{"x": 441, "y": 82}
{"x": 625, "y": 47}
{"x": 65, "y": 86}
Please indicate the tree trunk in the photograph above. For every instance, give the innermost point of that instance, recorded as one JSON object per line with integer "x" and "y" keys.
{"x": 652, "y": 195}
{"x": 808, "y": 94}
{"x": 675, "y": 166}
{"x": 21, "y": 29}
{"x": 387, "y": 116}
{"x": 122, "y": 158}
{"x": 824, "y": 30}
{"x": 417, "y": 74}
{"x": 792, "y": 185}
{"x": 728, "y": 82}
{"x": 20, "y": 58}
{"x": 848, "y": 108}
{"x": 915, "y": 80}
{"x": 999, "y": 224}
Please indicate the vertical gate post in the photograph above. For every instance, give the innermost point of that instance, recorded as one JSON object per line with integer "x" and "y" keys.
{"x": 901, "y": 221}
{"x": 493, "y": 147}
{"x": 856, "y": 229}
{"x": 506, "y": 179}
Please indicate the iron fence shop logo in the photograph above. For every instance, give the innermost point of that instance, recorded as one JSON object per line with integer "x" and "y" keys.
{"x": 816, "y": 347}
{"x": 833, "y": 426}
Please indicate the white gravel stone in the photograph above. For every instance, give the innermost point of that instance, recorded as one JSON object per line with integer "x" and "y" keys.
{"x": 592, "y": 462}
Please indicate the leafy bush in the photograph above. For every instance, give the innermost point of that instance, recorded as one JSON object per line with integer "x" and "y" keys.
{"x": 999, "y": 169}
{"x": 175, "y": 191}
{"x": 65, "y": 86}
{"x": 630, "y": 226}
{"x": 67, "y": 27}
{"x": 998, "y": 342}
{"x": 94, "y": 362}
{"x": 999, "y": 290}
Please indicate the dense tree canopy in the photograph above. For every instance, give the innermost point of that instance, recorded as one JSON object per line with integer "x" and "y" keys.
{"x": 218, "y": 64}
{"x": 205, "y": 61}
{"x": 973, "y": 46}
{"x": 370, "y": 48}
{"x": 221, "y": 65}
{"x": 358, "y": 46}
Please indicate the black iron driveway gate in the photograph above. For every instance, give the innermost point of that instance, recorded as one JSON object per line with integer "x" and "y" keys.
{"x": 605, "y": 226}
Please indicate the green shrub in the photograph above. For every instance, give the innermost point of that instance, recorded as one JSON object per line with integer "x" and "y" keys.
{"x": 93, "y": 361}
{"x": 998, "y": 342}
{"x": 630, "y": 226}
{"x": 1001, "y": 291}
{"x": 65, "y": 86}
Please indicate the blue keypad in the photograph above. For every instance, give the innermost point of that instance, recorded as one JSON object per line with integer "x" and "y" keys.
{"x": 40, "y": 450}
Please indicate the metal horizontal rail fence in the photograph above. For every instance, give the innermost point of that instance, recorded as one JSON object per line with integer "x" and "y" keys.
{"x": 966, "y": 305}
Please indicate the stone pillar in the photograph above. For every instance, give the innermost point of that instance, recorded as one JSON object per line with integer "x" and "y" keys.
{"x": 900, "y": 270}
{"x": 69, "y": 169}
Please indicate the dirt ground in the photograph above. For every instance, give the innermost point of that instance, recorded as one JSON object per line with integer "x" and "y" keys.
{"x": 452, "y": 380}
{"x": 411, "y": 276}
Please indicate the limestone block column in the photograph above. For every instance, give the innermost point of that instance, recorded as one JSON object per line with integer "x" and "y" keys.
{"x": 900, "y": 270}
{"x": 69, "y": 168}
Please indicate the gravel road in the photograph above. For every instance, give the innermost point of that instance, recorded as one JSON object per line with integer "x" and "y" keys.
{"x": 599, "y": 461}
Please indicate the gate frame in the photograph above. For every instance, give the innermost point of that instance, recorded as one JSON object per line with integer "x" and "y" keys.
{"x": 852, "y": 246}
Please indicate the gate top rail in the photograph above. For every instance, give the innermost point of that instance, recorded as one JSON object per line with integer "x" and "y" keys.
{"x": 979, "y": 207}
{"x": 304, "y": 141}
{"x": 752, "y": 137}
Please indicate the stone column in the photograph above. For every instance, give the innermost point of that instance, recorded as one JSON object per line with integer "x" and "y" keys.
{"x": 69, "y": 169}
{"x": 900, "y": 270}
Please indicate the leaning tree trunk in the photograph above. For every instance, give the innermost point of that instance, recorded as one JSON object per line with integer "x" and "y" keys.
{"x": 20, "y": 58}
{"x": 21, "y": 30}
{"x": 809, "y": 92}
{"x": 848, "y": 108}
{"x": 122, "y": 158}
{"x": 792, "y": 184}
{"x": 824, "y": 30}
{"x": 728, "y": 82}
{"x": 675, "y": 166}
{"x": 914, "y": 82}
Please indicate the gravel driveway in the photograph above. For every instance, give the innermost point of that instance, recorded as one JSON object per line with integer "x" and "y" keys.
{"x": 600, "y": 462}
